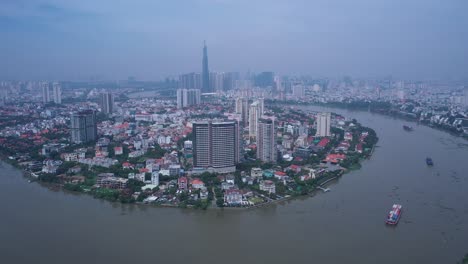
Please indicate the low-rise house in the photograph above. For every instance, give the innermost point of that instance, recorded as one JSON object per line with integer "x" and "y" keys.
{"x": 75, "y": 169}
{"x": 182, "y": 183}
{"x": 227, "y": 185}
{"x": 118, "y": 150}
{"x": 233, "y": 197}
{"x": 197, "y": 184}
{"x": 267, "y": 186}
{"x": 256, "y": 173}
{"x": 107, "y": 180}
{"x": 203, "y": 193}
{"x": 294, "y": 168}
{"x": 230, "y": 178}
{"x": 335, "y": 158}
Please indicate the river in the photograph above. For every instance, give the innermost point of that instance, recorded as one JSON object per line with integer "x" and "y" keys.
{"x": 346, "y": 225}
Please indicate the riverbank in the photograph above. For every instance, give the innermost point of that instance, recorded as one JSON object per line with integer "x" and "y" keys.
{"x": 382, "y": 109}
{"x": 299, "y": 174}
{"x": 354, "y": 210}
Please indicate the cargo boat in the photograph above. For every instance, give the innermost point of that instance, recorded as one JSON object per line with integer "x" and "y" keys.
{"x": 407, "y": 128}
{"x": 394, "y": 215}
{"x": 429, "y": 162}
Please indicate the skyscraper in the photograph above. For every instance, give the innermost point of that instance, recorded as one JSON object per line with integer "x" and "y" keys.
{"x": 216, "y": 145}
{"x": 254, "y": 115}
{"x": 323, "y": 124}
{"x": 57, "y": 92}
{"x": 45, "y": 92}
{"x": 205, "y": 72}
{"x": 266, "y": 144}
{"x": 107, "y": 103}
{"x": 187, "y": 97}
{"x": 83, "y": 127}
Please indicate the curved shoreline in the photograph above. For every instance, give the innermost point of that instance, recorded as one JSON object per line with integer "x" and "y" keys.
{"x": 310, "y": 189}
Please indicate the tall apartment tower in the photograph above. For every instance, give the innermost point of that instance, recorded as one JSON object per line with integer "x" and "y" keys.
{"x": 107, "y": 103}
{"x": 323, "y": 124}
{"x": 266, "y": 144}
{"x": 254, "y": 115}
{"x": 216, "y": 145}
{"x": 83, "y": 127}
{"x": 242, "y": 108}
{"x": 261, "y": 105}
{"x": 298, "y": 91}
{"x": 187, "y": 97}
{"x": 57, "y": 92}
{"x": 45, "y": 92}
{"x": 190, "y": 81}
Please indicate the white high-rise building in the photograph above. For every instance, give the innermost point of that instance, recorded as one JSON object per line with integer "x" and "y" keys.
{"x": 323, "y": 124}
{"x": 107, "y": 103}
{"x": 266, "y": 143}
{"x": 298, "y": 91}
{"x": 254, "y": 115}
{"x": 187, "y": 97}
{"x": 45, "y": 92}
{"x": 155, "y": 178}
{"x": 242, "y": 108}
{"x": 261, "y": 105}
{"x": 57, "y": 92}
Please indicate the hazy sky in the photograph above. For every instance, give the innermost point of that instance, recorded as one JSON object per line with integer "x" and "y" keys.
{"x": 65, "y": 39}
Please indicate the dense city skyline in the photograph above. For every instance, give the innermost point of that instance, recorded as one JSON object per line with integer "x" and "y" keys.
{"x": 57, "y": 40}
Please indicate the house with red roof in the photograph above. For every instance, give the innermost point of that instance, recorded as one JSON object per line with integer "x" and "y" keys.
{"x": 128, "y": 165}
{"x": 335, "y": 158}
{"x": 280, "y": 175}
{"x": 323, "y": 142}
{"x": 197, "y": 183}
{"x": 182, "y": 183}
{"x": 294, "y": 168}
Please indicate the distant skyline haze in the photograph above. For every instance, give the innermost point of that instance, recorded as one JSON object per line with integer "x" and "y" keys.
{"x": 75, "y": 40}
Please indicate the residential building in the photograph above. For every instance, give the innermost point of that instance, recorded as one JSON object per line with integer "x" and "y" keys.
{"x": 187, "y": 97}
{"x": 266, "y": 143}
{"x": 155, "y": 178}
{"x": 242, "y": 108}
{"x": 298, "y": 91}
{"x": 107, "y": 103}
{"x": 57, "y": 92}
{"x": 216, "y": 145}
{"x": 190, "y": 81}
{"x": 182, "y": 183}
{"x": 267, "y": 186}
{"x": 323, "y": 124}
{"x": 45, "y": 92}
{"x": 233, "y": 197}
{"x": 83, "y": 127}
{"x": 108, "y": 180}
{"x": 254, "y": 115}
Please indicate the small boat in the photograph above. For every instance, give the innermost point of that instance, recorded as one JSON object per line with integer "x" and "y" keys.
{"x": 394, "y": 215}
{"x": 429, "y": 161}
{"x": 407, "y": 128}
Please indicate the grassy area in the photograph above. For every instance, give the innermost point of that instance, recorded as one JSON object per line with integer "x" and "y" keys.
{"x": 256, "y": 200}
